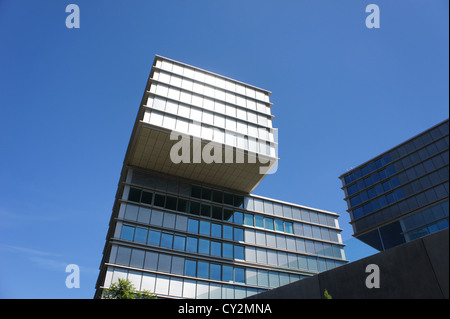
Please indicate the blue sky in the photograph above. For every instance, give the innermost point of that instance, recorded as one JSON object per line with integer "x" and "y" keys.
{"x": 342, "y": 94}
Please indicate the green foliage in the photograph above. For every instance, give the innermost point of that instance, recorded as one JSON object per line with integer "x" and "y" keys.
{"x": 326, "y": 295}
{"x": 124, "y": 289}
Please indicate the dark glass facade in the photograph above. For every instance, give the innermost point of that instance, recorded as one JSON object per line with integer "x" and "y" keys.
{"x": 402, "y": 194}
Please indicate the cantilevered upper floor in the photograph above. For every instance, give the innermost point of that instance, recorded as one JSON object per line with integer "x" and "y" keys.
{"x": 205, "y": 127}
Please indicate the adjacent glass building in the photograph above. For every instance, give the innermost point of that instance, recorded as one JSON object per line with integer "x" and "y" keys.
{"x": 401, "y": 194}
{"x": 194, "y": 230}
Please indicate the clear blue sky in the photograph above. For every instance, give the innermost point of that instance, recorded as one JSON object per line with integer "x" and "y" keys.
{"x": 342, "y": 94}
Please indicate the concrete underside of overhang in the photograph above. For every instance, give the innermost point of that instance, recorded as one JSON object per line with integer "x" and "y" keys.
{"x": 151, "y": 148}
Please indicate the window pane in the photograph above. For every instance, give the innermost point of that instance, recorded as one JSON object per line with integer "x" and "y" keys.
{"x": 203, "y": 269}
{"x": 227, "y": 250}
{"x": 191, "y": 244}
{"x": 248, "y": 219}
{"x": 259, "y": 221}
{"x": 179, "y": 242}
{"x": 193, "y": 226}
{"x": 159, "y": 200}
{"x": 203, "y": 246}
{"x": 147, "y": 198}
{"x": 279, "y": 225}
{"x": 216, "y": 230}
{"x": 134, "y": 195}
{"x": 166, "y": 240}
{"x": 217, "y": 213}
{"x": 216, "y": 249}
{"x": 215, "y": 272}
{"x": 141, "y": 235}
{"x": 238, "y": 234}
{"x": 269, "y": 223}
{"x": 127, "y": 232}
{"x": 227, "y": 273}
{"x": 288, "y": 227}
{"x": 154, "y": 237}
{"x": 227, "y": 232}
{"x": 190, "y": 268}
{"x": 205, "y": 228}
{"x": 239, "y": 252}
{"x": 239, "y": 275}
{"x": 238, "y": 218}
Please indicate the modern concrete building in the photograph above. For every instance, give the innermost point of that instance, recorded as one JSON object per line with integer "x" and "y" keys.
{"x": 184, "y": 223}
{"x": 401, "y": 194}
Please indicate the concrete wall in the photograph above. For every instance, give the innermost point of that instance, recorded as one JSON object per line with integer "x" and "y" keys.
{"x": 418, "y": 269}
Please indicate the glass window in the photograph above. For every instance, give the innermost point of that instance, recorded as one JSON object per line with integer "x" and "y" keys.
{"x": 154, "y": 237}
{"x": 227, "y": 273}
{"x": 141, "y": 235}
{"x": 193, "y": 226}
{"x": 159, "y": 200}
{"x": 217, "y": 213}
{"x": 166, "y": 240}
{"x": 127, "y": 232}
{"x": 194, "y": 208}
{"x": 156, "y": 217}
{"x": 216, "y": 230}
{"x": 205, "y": 227}
{"x": 279, "y": 225}
{"x": 206, "y": 210}
{"x": 190, "y": 268}
{"x": 203, "y": 246}
{"x": 238, "y": 234}
{"x": 215, "y": 272}
{"x": 288, "y": 227}
{"x": 228, "y": 215}
{"x": 227, "y": 250}
{"x": 227, "y": 232}
{"x": 164, "y": 262}
{"x": 268, "y": 223}
{"x": 228, "y": 199}
{"x": 123, "y": 255}
{"x": 203, "y": 269}
{"x": 263, "y": 278}
{"x": 239, "y": 252}
{"x": 216, "y": 249}
{"x": 238, "y": 218}
{"x": 169, "y": 220}
{"x": 259, "y": 221}
{"x": 171, "y": 203}
{"x": 179, "y": 242}
{"x": 183, "y": 205}
{"x": 191, "y": 244}
{"x": 217, "y": 197}
{"x": 147, "y": 198}
{"x": 248, "y": 219}
{"x": 239, "y": 275}
{"x": 134, "y": 195}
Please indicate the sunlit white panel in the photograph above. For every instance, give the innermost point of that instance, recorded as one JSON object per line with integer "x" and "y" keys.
{"x": 251, "y": 104}
{"x": 194, "y": 129}
{"x": 209, "y": 91}
{"x": 184, "y": 110}
{"x": 135, "y": 278}
{"x": 230, "y": 124}
{"x": 185, "y": 97}
{"x": 166, "y": 65}
{"x": 148, "y": 282}
{"x": 156, "y": 119}
{"x": 176, "y": 287}
{"x": 175, "y": 80}
{"x": 162, "y": 285}
{"x": 219, "y": 107}
{"x": 189, "y": 288}
{"x": 230, "y": 110}
{"x": 177, "y": 69}
{"x": 220, "y": 82}
{"x": 197, "y": 100}
{"x": 219, "y": 120}
{"x": 230, "y": 97}
{"x": 219, "y": 94}
{"x": 187, "y": 84}
{"x": 230, "y": 138}
{"x": 164, "y": 77}
{"x": 174, "y": 93}
{"x": 169, "y": 121}
{"x": 198, "y": 88}
{"x": 229, "y": 85}
{"x": 182, "y": 126}
{"x": 208, "y": 118}
{"x": 250, "y": 92}
{"x": 241, "y": 114}
{"x": 119, "y": 274}
{"x": 241, "y": 101}
{"x": 207, "y": 133}
{"x": 208, "y": 104}
{"x": 188, "y": 72}
{"x": 171, "y": 107}
{"x": 210, "y": 79}
{"x": 162, "y": 89}
{"x": 196, "y": 114}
